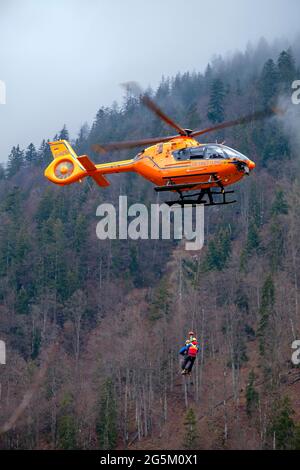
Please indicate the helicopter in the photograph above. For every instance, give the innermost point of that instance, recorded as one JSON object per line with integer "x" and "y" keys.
{"x": 178, "y": 163}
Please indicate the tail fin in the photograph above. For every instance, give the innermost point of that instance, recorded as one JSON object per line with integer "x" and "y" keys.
{"x": 62, "y": 148}
{"x": 67, "y": 167}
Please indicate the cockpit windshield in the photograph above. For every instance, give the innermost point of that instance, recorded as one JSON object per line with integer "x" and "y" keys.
{"x": 231, "y": 153}
{"x": 207, "y": 152}
{"x": 138, "y": 156}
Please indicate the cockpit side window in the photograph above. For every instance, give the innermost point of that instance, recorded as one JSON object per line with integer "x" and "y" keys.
{"x": 190, "y": 153}
{"x": 182, "y": 154}
{"x": 213, "y": 151}
{"x": 197, "y": 152}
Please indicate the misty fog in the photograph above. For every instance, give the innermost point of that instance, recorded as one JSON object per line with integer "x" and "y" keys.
{"x": 62, "y": 60}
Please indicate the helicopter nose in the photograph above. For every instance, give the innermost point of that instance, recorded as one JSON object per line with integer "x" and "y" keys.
{"x": 251, "y": 165}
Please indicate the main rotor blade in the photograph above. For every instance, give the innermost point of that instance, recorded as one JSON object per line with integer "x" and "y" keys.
{"x": 135, "y": 89}
{"x": 153, "y": 107}
{"x": 111, "y": 146}
{"x": 242, "y": 120}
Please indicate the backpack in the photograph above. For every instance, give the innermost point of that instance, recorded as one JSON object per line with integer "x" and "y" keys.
{"x": 193, "y": 350}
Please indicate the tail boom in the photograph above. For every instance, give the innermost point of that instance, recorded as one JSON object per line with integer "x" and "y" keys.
{"x": 67, "y": 167}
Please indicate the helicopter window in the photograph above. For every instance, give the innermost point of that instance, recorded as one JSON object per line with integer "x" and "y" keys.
{"x": 190, "y": 153}
{"x": 197, "y": 152}
{"x": 182, "y": 154}
{"x": 213, "y": 151}
{"x": 160, "y": 148}
{"x": 138, "y": 155}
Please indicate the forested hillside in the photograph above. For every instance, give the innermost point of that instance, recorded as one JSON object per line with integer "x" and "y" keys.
{"x": 118, "y": 311}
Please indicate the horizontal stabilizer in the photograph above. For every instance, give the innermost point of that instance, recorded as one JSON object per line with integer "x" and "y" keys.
{"x": 86, "y": 163}
{"x": 100, "y": 180}
{"x": 90, "y": 167}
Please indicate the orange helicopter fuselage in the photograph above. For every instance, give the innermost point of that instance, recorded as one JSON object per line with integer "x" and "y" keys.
{"x": 156, "y": 163}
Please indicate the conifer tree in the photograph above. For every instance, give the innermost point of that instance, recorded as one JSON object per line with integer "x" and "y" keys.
{"x": 66, "y": 426}
{"x": 63, "y": 134}
{"x": 282, "y": 426}
{"x": 44, "y": 154}
{"x": 106, "y": 425}
{"x": 268, "y": 82}
{"x": 286, "y": 70}
{"x": 215, "y": 111}
{"x": 208, "y": 77}
{"x": 161, "y": 302}
{"x": 15, "y": 161}
{"x": 31, "y": 154}
{"x": 253, "y": 240}
{"x": 219, "y": 250}
{"x": 2, "y": 172}
{"x": 193, "y": 116}
{"x": 191, "y": 433}
{"x": 163, "y": 89}
{"x": 82, "y": 138}
{"x": 66, "y": 432}
{"x": 276, "y": 245}
{"x": 280, "y": 205}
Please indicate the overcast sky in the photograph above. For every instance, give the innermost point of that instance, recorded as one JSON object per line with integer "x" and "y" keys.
{"x": 62, "y": 59}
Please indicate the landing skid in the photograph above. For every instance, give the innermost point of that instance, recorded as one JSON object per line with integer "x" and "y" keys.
{"x": 198, "y": 198}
